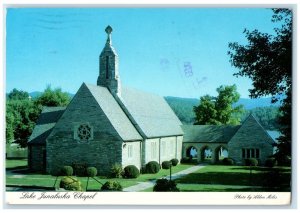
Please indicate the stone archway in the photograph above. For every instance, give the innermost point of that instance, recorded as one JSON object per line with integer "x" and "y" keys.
{"x": 221, "y": 152}
{"x": 206, "y": 154}
{"x": 191, "y": 152}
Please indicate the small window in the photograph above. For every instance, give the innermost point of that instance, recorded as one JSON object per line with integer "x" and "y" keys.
{"x": 243, "y": 153}
{"x": 153, "y": 150}
{"x": 172, "y": 147}
{"x": 257, "y": 153}
{"x": 163, "y": 148}
{"x": 130, "y": 150}
{"x": 250, "y": 153}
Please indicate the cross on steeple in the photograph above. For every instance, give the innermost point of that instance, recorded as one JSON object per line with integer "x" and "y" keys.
{"x": 108, "y": 30}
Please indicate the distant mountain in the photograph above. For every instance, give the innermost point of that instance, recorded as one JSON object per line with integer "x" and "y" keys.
{"x": 261, "y": 108}
{"x": 254, "y": 103}
{"x": 248, "y": 103}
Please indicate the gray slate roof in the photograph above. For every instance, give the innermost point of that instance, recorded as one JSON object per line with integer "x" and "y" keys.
{"x": 114, "y": 113}
{"x": 208, "y": 133}
{"x": 151, "y": 113}
{"x": 45, "y": 123}
{"x": 137, "y": 113}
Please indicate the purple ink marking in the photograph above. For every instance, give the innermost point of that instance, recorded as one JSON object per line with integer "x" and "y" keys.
{"x": 188, "y": 69}
{"x": 201, "y": 81}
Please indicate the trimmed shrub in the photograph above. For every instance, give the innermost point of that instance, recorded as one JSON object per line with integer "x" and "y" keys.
{"x": 271, "y": 162}
{"x": 186, "y": 160}
{"x": 228, "y": 161}
{"x": 166, "y": 164}
{"x": 70, "y": 183}
{"x": 79, "y": 169}
{"x": 131, "y": 171}
{"x": 152, "y": 167}
{"x": 164, "y": 185}
{"x": 174, "y": 162}
{"x": 251, "y": 162}
{"x": 67, "y": 170}
{"x": 116, "y": 171}
{"x": 111, "y": 186}
{"x": 91, "y": 171}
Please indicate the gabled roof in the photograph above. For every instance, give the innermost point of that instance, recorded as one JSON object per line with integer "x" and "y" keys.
{"x": 133, "y": 115}
{"x": 254, "y": 131}
{"x": 151, "y": 113}
{"x": 45, "y": 123}
{"x": 114, "y": 113}
{"x": 209, "y": 133}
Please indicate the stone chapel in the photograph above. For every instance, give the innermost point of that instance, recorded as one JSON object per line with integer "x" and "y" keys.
{"x": 104, "y": 124}
{"x": 109, "y": 123}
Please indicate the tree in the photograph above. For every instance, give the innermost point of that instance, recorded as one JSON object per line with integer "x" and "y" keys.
{"x": 206, "y": 112}
{"x": 18, "y": 95}
{"x": 219, "y": 110}
{"x": 53, "y": 97}
{"x": 226, "y": 113}
{"x": 267, "y": 61}
{"x": 9, "y": 127}
{"x": 24, "y": 114}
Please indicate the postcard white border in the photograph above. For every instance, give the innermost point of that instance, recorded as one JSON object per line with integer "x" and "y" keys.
{"x": 148, "y": 198}
{"x": 142, "y": 198}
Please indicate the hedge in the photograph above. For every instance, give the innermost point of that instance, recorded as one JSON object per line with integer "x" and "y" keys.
{"x": 152, "y": 167}
{"x": 131, "y": 171}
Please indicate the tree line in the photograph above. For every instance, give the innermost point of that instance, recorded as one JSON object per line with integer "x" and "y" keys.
{"x": 22, "y": 112}
{"x": 267, "y": 60}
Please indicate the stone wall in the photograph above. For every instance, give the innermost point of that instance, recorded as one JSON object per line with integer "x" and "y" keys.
{"x": 101, "y": 151}
{"x": 250, "y": 136}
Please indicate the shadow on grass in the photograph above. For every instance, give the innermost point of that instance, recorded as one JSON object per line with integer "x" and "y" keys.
{"x": 263, "y": 169}
{"x": 24, "y": 171}
{"x": 17, "y": 168}
{"x": 246, "y": 189}
{"x": 20, "y": 187}
{"x": 271, "y": 180}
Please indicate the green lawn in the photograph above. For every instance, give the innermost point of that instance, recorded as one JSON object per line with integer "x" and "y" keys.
{"x": 34, "y": 179}
{"x": 212, "y": 178}
{"x": 230, "y": 178}
{"x": 16, "y": 164}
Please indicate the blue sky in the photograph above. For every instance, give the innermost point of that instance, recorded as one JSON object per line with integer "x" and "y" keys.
{"x": 171, "y": 52}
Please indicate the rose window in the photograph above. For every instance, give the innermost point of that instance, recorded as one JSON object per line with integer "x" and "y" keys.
{"x": 84, "y": 132}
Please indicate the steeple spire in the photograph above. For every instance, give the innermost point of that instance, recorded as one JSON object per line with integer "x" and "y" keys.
{"x": 108, "y": 30}
{"x": 108, "y": 66}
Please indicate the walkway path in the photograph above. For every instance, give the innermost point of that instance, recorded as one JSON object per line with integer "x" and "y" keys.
{"x": 145, "y": 185}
